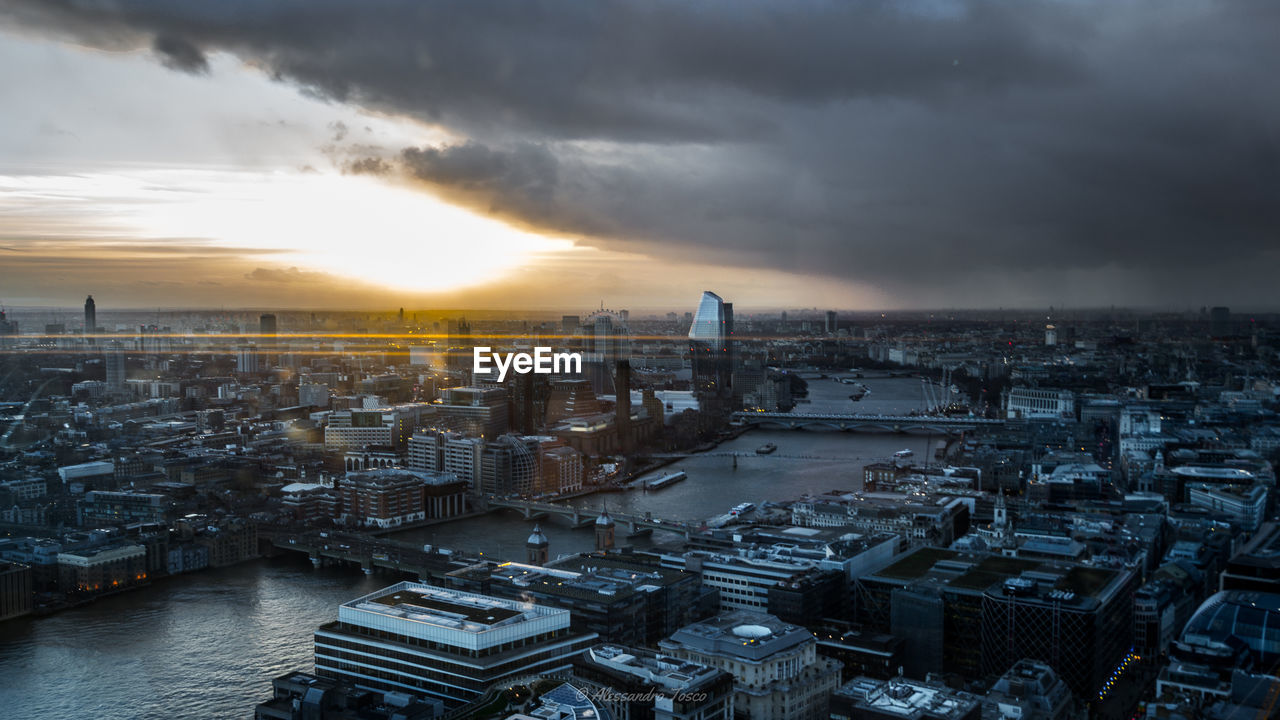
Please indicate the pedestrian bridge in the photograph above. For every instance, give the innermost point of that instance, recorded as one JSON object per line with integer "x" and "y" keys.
{"x": 869, "y": 423}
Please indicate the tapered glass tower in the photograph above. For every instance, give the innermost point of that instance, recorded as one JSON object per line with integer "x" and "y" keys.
{"x": 710, "y": 344}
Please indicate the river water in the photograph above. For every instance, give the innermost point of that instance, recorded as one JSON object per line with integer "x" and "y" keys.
{"x": 207, "y": 645}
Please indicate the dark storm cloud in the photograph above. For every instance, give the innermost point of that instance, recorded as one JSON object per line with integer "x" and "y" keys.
{"x": 176, "y": 53}
{"x": 958, "y": 152}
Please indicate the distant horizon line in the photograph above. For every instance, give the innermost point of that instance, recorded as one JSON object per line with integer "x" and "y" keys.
{"x": 649, "y": 309}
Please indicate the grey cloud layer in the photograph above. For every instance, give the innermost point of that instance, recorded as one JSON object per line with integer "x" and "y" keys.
{"x": 957, "y": 152}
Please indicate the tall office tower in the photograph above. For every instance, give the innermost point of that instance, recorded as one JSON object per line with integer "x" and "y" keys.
{"x": 443, "y": 644}
{"x": 458, "y": 349}
{"x": 462, "y": 457}
{"x": 622, "y": 418}
{"x": 569, "y": 324}
{"x": 709, "y": 344}
{"x": 607, "y": 344}
{"x": 8, "y": 330}
{"x": 267, "y": 341}
{"x": 1219, "y": 321}
{"x": 529, "y": 394}
{"x": 831, "y": 322}
{"x": 90, "y": 318}
{"x": 115, "y": 366}
{"x": 728, "y": 330}
{"x": 247, "y": 359}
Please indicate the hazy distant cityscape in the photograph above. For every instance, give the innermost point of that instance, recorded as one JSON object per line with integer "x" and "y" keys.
{"x": 809, "y": 513}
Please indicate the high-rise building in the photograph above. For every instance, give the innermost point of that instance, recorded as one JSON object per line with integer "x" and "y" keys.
{"x": 509, "y": 465}
{"x": 267, "y": 337}
{"x": 90, "y": 319}
{"x": 462, "y": 457}
{"x": 434, "y": 642}
{"x": 989, "y": 611}
{"x": 607, "y": 346}
{"x": 473, "y": 410}
{"x": 623, "y": 415}
{"x": 458, "y": 349}
{"x": 426, "y": 449}
{"x": 831, "y": 322}
{"x": 115, "y": 366}
{"x": 8, "y": 330}
{"x": 1219, "y": 322}
{"x": 710, "y": 346}
{"x": 247, "y": 359}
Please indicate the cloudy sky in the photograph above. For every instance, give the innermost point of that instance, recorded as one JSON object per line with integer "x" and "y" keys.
{"x": 328, "y": 153}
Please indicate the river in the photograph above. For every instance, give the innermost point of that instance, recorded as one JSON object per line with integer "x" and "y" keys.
{"x": 207, "y": 645}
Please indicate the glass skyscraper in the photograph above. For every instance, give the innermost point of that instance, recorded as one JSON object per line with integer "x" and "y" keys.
{"x": 711, "y": 344}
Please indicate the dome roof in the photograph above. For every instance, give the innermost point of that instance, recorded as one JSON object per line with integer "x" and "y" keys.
{"x": 1231, "y": 619}
{"x": 536, "y": 537}
{"x": 753, "y": 632}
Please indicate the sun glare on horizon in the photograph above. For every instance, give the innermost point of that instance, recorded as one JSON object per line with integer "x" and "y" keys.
{"x": 357, "y": 227}
{"x": 349, "y": 226}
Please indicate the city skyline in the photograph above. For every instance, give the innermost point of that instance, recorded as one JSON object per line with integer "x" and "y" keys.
{"x": 926, "y": 155}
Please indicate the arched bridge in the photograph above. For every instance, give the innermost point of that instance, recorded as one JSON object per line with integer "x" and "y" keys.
{"x": 873, "y": 423}
{"x": 585, "y": 517}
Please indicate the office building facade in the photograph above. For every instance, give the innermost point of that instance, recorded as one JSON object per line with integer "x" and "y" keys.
{"x": 432, "y": 642}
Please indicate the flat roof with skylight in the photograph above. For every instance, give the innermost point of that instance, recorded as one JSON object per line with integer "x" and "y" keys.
{"x": 443, "y": 615}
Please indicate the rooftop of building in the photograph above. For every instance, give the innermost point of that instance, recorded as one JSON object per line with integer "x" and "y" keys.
{"x": 750, "y": 636}
{"x": 668, "y": 672}
{"x": 1214, "y": 473}
{"x": 980, "y": 572}
{"x": 388, "y": 475}
{"x": 420, "y": 608}
{"x": 1262, "y": 550}
{"x": 591, "y": 577}
{"x": 907, "y": 698}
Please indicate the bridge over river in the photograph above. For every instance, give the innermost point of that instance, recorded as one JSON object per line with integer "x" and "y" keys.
{"x": 585, "y": 517}
{"x": 872, "y": 423}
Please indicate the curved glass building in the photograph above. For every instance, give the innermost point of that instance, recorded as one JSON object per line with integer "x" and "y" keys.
{"x": 1235, "y": 628}
{"x": 710, "y": 346}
